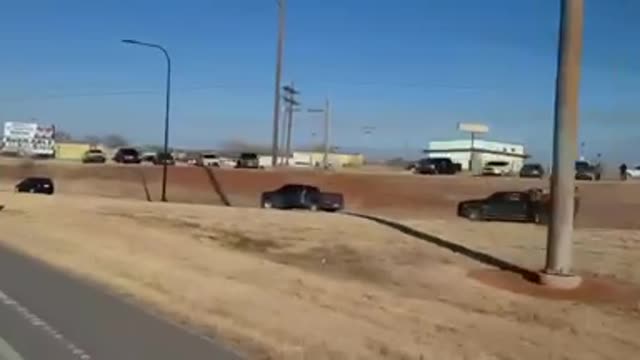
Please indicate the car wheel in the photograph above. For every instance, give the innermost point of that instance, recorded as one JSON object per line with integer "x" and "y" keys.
{"x": 267, "y": 205}
{"x": 32, "y": 191}
{"x": 313, "y": 207}
{"x": 474, "y": 214}
{"x": 536, "y": 218}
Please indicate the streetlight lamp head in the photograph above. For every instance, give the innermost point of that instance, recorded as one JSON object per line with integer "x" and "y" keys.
{"x": 129, "y": 41}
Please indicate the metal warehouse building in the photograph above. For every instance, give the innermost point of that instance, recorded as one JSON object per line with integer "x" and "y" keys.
{"x": 473, "y": 154}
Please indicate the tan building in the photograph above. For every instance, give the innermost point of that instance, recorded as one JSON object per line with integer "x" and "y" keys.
{"x": 336, "y": 160}
{"x": 73, "y": 151}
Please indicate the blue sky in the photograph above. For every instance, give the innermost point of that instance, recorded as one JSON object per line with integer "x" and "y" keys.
{"x": 410, "y": 68}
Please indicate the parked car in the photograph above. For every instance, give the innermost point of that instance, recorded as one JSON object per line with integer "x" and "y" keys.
{"x": 532, "y": 205}
{"x": 36, "y": 185}
{"x": 634, "y": 173}
{"x": 435, "y": 166}
{"x": 497, "y": 168}
{"x": 532, "y": 171}
{"x": 163, "y": 158}
{"x": 94, "y": 156}
{"x": 587, "y": 171}
{"x": 209, "y": 159}
{"x": 248, "y": 161}
{"x": 148, "y": 157}
{"x": 127, "y": 156}
{"x": 293, "y": 196}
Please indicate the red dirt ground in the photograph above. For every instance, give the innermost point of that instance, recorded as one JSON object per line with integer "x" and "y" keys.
{"x": 594, "y": 289}
{"x": 605, "y": 204}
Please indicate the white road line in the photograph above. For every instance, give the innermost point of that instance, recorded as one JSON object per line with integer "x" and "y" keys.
{"x": 43, "y": 325}
{"x": 7, "y": 352}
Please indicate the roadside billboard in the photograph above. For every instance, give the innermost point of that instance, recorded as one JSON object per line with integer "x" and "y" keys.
{"x": 28, "y": 139}
{"x": 473, "y": 128}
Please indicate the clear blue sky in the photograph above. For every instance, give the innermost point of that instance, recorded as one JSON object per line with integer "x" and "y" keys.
{"x": 411, "y": 68}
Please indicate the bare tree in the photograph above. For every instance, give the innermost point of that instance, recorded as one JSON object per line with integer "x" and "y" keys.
{"x": 93, "y": 139}
{"x": 115, "y": 141}
{"x": 62, "y": 136}
{"x": 244, "y": 146}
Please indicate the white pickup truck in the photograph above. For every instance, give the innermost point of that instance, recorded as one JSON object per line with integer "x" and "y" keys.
{"x": 213, "y": 160}
{"x": 634, "y": 173}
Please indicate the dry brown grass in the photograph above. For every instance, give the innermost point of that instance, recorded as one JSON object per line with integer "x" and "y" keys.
{"x": 289, "y": 285}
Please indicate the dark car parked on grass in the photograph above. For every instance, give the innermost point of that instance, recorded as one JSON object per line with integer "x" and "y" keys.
{"x": 127, "y": 156}
{"x": 293, "y": 196}
{"x": 532, "y": 171}
{"x": 434, "y": 166}
{"x": 36, "y": 185}
{"x": 530, "y": 206}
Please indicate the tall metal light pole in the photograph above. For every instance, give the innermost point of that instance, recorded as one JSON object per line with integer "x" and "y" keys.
{"x": 166, "y": 113}
{"x": 557, "y": 271}
{"x": 282, "y": 8}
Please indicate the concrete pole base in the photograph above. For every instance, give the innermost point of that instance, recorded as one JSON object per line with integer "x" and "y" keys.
{"x": 560, "y": 281}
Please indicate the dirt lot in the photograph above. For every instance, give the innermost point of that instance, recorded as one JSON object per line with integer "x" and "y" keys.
{"x": 292, "y": 285}
{"x": 604, "y": 204}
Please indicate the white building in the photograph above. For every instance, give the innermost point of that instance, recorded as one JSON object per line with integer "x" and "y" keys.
{"x": 479, "y": 153}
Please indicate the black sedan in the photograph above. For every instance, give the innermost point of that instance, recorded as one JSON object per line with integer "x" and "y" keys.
{"x": 36, "y": 185}
{"x": 308, "y": 197}
{"x": 506, "y": 205}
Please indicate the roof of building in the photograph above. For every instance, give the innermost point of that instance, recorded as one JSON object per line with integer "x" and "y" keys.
{"x": 476, "y": 150}
{"x": 478, "y": 140}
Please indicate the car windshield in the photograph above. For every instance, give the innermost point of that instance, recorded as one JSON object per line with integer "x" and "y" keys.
{"x": 210, "y": 156}
{"x": 95, "y": 151}
{"x": 129, "y": 152}
{"x": 497, "y": 163}
{"x": 248, "y": 156}
{"x": 582, "y": 165}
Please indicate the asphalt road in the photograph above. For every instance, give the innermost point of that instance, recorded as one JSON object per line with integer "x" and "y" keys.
{"x": 46, "y": 314}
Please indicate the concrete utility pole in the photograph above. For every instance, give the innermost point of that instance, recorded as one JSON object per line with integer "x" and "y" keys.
{"x": 283, "y": 131}
{"x": 557, "y": 272}
{"x": 290, "y": 100}
{"x": 282, "y": 12}
{"x": 327, "y": 132}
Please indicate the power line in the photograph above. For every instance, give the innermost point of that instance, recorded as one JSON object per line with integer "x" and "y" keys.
{"x": 111, "y": 93}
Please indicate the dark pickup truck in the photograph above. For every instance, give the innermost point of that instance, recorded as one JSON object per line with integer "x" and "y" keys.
{"x": 530, "y": 206}
{"x": 292, "y": 196}
{"x": 248, "y": 161}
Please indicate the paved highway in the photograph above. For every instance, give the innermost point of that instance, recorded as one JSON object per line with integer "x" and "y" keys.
{"x": 46, "y": 314}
